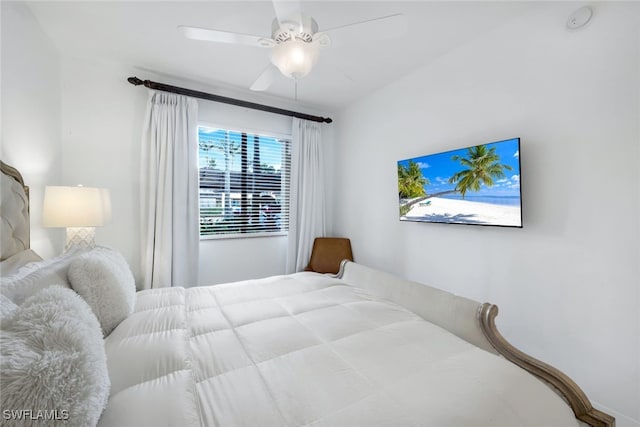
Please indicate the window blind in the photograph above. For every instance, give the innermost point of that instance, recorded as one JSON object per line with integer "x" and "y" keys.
{"x": 244, "y": 183}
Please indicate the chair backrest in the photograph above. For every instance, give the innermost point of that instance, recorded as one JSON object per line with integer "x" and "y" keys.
{"x": 328, "y": 253}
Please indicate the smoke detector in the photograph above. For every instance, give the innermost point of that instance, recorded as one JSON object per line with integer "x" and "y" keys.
{"x": 579, "y": 18}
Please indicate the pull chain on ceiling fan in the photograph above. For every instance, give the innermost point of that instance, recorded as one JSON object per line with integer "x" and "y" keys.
{"x": 295, "y": 41}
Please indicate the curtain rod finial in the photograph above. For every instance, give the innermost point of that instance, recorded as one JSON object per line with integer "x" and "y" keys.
{"x": 135, "y": 81}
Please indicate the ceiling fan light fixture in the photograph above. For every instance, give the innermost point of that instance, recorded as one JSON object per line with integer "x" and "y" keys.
{"x": 295, "y": 58}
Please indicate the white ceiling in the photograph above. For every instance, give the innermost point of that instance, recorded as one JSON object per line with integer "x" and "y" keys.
{"x": 143, "y": 34}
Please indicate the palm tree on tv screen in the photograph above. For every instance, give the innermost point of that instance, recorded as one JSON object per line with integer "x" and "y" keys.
{"x": 483, "y": 166}
{"x": 411, "y": 182}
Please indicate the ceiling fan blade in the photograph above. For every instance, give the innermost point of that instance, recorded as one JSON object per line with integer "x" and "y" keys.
{"x": 386, "y": 27}
{"x": 288, "y": 11}
{"x": 265, "y": 79}
{"x": 218, "y": 36}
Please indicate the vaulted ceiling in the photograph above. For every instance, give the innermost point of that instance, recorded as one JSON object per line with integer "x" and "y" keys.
{"x": 144, "y": 34}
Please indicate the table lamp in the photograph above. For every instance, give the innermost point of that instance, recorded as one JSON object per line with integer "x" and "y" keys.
{"x": 79, "y": 209}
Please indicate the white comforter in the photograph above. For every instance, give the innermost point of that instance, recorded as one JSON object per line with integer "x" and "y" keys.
{"x": 307, "y": 349}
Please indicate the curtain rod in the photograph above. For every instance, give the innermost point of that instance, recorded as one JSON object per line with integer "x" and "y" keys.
{"x": 232, "y": 101}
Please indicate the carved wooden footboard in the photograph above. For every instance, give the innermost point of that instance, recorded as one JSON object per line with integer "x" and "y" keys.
{"x": 572, "y": 393}
{"x": 475, "y": 323}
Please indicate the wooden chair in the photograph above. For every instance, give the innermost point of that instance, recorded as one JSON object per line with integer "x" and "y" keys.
{"x": 327, "y": 254}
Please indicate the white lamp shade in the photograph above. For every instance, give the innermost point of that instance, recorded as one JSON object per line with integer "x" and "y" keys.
{"x": 76, "y": 207}
{"x": 295, "y": 58}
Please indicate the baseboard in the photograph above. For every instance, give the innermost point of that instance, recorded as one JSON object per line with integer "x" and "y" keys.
{"x": 621, "y": 419}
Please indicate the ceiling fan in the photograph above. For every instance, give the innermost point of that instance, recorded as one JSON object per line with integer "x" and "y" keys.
{"x": 296, "y": 41}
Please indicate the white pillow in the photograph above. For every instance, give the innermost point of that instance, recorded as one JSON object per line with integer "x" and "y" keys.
{"x": 53, "y": 359}
{"x": 35, "y": 276}
{"x": 103, "y": 278}
{"x": 6, "y": 307}
{"x": 15, "y": 262}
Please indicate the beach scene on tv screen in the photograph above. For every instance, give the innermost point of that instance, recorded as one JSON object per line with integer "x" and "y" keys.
{"x": 475, "y": 185}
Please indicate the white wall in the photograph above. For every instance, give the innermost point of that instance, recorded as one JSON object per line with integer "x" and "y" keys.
{"x": 30, "y": 87}
{"x": 568, "y": 282}
{"x": 102, "y": 124}
{"x": 101, "y": 130}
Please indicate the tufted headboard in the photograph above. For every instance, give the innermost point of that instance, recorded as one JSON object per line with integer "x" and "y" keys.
{"x": 14, "y": 209}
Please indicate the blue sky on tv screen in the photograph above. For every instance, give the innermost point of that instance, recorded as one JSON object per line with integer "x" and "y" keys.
{"x": 438, "y": 168}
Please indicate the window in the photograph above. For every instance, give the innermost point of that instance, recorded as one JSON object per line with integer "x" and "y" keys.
{"x": 244, "y": 183}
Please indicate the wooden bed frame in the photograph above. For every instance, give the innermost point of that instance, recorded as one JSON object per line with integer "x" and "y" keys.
{"x": 567, "y": 388}
{"x": 470, "y": 320}
{"x": 475, "y": 323}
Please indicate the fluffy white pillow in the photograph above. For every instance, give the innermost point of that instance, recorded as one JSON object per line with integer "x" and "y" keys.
{"x": 6, "y": 306}
{"x": 103, "y": 278}
{"x": 53, "y": 359}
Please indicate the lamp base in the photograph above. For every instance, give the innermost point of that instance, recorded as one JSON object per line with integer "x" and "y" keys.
{"x": 80, "y": 238}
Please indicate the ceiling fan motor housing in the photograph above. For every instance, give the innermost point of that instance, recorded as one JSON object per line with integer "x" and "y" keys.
{"x": 292, "y": 30}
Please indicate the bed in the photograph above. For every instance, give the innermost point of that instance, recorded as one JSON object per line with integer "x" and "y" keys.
{"x": 362, "y": 348}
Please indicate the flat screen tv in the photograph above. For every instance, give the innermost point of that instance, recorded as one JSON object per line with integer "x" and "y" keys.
{"x": 477, "y": 185}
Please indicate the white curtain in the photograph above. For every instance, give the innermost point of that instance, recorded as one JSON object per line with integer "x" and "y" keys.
{"x": 169, "y": 191}
{"x": 306, "y": 214}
